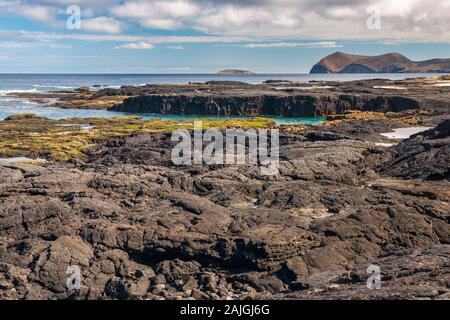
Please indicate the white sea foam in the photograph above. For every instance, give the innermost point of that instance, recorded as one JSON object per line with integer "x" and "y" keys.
{"x": 6, "y": 92}
{"x": 50, "y": 86}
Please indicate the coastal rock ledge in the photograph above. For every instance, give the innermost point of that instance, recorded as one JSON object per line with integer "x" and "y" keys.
{"x": 289, "y": 105}
{"x": 243, "y": 99}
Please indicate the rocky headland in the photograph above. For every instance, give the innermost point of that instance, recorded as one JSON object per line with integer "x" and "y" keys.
{"x": 340, "y": 62}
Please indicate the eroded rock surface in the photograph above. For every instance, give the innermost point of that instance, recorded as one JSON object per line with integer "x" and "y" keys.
{"x": 138, "y": 227}
{"x": 426, "y": 155}
{"x": 280, "y": 98}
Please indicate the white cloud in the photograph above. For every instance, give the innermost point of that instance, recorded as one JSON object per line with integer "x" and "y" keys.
{"x": 248, "y": 20}
{"x": 13, "y": 45}
{"x": 137, "y": 46}
{"x": 37, "y": 13}
{"x": 266, "y": 20}
{"x": 168, "y": 14}
{"x": 343, "y": 12}
{"x": 45, "y": 36}
{"x": 323, "y": 44}
{"x": 166, "y": 24}
{"x": 22, "y": 45}
{"x": 33, "y": 12}
{"x": 156, "y": 9}
{"x": 179, "y": 47}
{"x": 294, "y": 19}
{"x": 102, "y": 24}
{"x": 399, "y": 8}
{"x": 59, "y": 46}
{"x": 179, "y": 69}
{"x": 84, "y": 3}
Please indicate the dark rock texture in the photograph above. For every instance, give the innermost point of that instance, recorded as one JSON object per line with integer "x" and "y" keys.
{"x": 425, "y": 155}
{"x": 295, "y": 105}
{"x": 421, "y": 275}
{"x": 273, "y": 97}
{"x": 280, "y": 98}
{"x": 139, "y": 227}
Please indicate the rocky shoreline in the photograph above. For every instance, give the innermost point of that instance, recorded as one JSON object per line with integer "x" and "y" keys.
{"x": 139, "y": 227}
{"x": 272, "y": 98}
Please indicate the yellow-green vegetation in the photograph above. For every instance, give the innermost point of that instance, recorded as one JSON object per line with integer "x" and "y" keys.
{"x": 23, "y": 117}
{"x": 60, "y": 140}
{"x": 103, "y": 102}
{"x": 80, "y": 99}
{"x": 294, "y": 128}
{"x": 357, "y": 115}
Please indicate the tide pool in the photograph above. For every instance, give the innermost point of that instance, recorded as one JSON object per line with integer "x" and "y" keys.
{"x": 10, "y": 106}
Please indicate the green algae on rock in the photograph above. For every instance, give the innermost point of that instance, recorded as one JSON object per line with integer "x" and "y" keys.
{"x": 28, "y": 135}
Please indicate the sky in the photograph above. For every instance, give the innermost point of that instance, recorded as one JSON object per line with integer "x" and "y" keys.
{"x": 200, "y": 36}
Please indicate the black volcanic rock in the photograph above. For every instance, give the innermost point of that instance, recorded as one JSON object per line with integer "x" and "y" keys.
{"x": 339, "y": 62}
{"x": 425, "y": 155}
{"x": 280, "y": 98}
{"x": 139, "y": 227}
{"x": 289, "y": 105}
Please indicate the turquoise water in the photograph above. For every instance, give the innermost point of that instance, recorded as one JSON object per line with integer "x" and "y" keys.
{"x": 9, "y": 106}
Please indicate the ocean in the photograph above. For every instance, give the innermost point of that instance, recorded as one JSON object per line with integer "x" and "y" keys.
{"x": 49, "y": 82}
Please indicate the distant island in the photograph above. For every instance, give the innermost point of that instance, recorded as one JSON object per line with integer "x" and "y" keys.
{"x": 234, "y": 71}
{"x": 340, "y": 62}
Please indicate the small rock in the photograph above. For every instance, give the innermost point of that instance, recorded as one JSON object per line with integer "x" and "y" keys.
{"x": 214, "y": 296}
{"x": 159, "y": 286}
{"x": 187, "y": 293}
{"x": 190, "y": 284}
{"x": 159, "y": 279}
{"x": 222, "y": 292}
{"x": 427, "y": 294}
{"x": 209, "y": 282}
{"x": 5, "y": 285}
{"x": 198, "y": 295}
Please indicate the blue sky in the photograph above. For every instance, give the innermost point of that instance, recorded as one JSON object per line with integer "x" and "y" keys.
{"x": 199, "y": 36}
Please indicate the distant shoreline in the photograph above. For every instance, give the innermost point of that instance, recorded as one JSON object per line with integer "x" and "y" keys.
{"x": 219, "y": 74}
{"x": 287, "y": 99}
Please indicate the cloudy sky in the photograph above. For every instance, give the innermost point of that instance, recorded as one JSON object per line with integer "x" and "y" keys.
{"x": 195, "y": 36}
